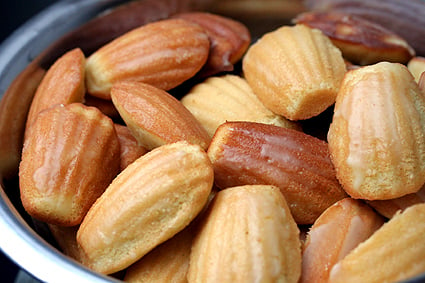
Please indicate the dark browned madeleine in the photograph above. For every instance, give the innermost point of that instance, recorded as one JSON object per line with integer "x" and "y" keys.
{"x": 405, "y": 18}
{"x": 229, "y": 40}
{"x": 299, "y": 164}
{"x": 361, "y": 41}
{"x": 14, "y": 106}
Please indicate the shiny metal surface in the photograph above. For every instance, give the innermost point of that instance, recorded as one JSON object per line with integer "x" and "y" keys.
{"x": 35, "y": 46}
{"x": 18, "y": 239}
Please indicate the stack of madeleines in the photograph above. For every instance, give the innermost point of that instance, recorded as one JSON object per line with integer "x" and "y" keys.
{"x": 183, "y": 151}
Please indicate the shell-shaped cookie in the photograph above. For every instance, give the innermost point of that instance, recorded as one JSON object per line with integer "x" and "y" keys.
{"x": 168, "y": 262}
{"x": 149, "y": 202}
{"x": 416, "y": 66}
{"x": 130, "y": 149}
{"x": 247, "y": 235}
{"x": 394, "y": 253}
{"x": 229, "y": 98}
{"x": 377, "y": 136}
{"x": 390, "y": 207}
{"x": 14, "y": 106}
{"x": 405, "y": 18}
{"x": 155, "y": 117}
{"x": 70, "y": 156}
{"x": 360, "y": 41}
{"x": 229, "y": 40}
{"x": 64, "y": 83}
{"x": 163, "y": 53}
{"x": 248, "y": 153}
{"x": 337, "y": 231}
{"x": 295, "y": 71}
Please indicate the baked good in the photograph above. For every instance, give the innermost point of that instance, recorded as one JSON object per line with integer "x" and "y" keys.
{"x": 295, "y": 71}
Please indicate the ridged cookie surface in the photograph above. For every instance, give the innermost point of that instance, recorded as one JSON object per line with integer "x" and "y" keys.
{"x": 70, "y": 156}
{"x": 154, "y": 198}
{"x": 248, "y": 235}
{"x": 393, "y": 253}
{"x": 377, "y": 135}
{"x": 295, "y": 71}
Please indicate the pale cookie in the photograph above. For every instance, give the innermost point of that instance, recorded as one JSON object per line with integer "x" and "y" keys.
{"x": 295, "y": 71}
{"x": 392, "y": 254}
{"x": 248, "y": 235}
{"x": 168, "y": 262}
{"x": 153, "y": 199}
{"x": 229, "y": 98}
{"x": 377, "y": 136}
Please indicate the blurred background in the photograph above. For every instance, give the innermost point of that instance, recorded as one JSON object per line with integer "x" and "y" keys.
{"x": 12, "y": 15}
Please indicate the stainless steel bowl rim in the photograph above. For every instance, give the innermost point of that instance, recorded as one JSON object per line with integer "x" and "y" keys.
{"x": 17, "y": 239}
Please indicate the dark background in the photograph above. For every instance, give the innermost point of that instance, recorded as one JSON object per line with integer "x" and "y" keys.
{"x": 13, "y": 13}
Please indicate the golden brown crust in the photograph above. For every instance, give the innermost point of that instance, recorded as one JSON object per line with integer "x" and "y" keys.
{"x": 294, "y": 71}
{"x": 392, "y": 254}
{"x": 163, "y": 53}
{"x": 248, "y": 234}
{"x": 377, "y": 137}
{"x": 155, "y": 117}
{"x": 130, "y": 149}
{"x": 154, "y": 198}
{"x": 337, "y": 231}
{"x": 70, "y": 156}
{"x": 62, "y": 84}
{"x": 252, "y": 153}
{"x": 168, "y": 262}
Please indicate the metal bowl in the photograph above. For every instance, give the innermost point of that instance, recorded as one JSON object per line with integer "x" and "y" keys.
{"x": 21, "y": 239}
{"x": 33, "y": 48}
